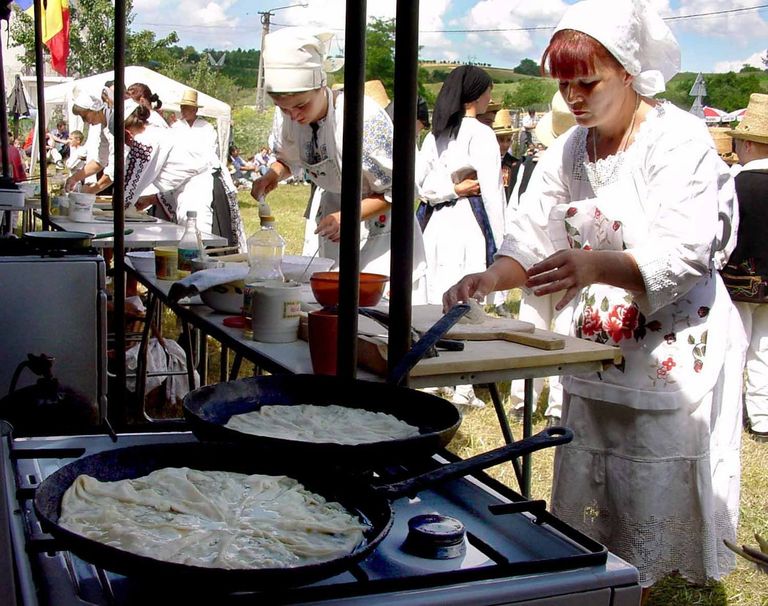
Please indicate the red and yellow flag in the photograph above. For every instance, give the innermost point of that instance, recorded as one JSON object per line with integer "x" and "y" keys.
{"x": 55, "y": 22}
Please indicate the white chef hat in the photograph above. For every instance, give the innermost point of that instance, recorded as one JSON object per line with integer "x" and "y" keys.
{"x": 634, "y": 33}
{"x": 89, "y": 100}
{"x": 129, "y": 106}
{"x": 295, "y": 59}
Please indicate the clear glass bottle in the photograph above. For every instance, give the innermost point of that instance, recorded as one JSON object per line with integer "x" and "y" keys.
{"x": 265, "y": 256}
{"x": 190, "y": 245}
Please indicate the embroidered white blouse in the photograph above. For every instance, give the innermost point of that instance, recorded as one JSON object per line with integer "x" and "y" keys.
{"x": 658, "y": 201}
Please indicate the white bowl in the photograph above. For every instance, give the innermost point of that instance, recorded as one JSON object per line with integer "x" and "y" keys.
{"x": 293, "y": 267}
{"x": 143, "y": 261}
{"x": 225, "y": 298}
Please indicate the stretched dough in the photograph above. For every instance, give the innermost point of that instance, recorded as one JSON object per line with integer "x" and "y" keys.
{"x": 311, "y": 423}
{"x": 213, "y": 519}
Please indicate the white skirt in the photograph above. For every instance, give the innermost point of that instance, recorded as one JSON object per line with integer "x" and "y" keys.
{"x": 660, "y": 489}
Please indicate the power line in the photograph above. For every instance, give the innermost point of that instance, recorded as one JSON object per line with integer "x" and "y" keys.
{"x": 472, "y": 31}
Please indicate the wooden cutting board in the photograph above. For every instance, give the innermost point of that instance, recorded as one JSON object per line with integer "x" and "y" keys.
{"x": 492, "y": 329}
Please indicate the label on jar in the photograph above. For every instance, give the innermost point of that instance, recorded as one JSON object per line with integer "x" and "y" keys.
{"x": 185, "y": 259}
{"x": 291, "y": 309}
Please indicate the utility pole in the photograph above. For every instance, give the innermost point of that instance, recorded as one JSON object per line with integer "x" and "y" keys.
{"x": 266, "y": 17}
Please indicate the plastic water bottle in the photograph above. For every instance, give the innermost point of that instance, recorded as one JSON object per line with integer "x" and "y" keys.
{"x": 190, "y": 245}
{"x": 265, "y": 256}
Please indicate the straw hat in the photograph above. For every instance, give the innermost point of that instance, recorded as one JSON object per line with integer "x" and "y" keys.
{"x": 375, "y": 90}
{"x": 189, "y": 98}
{"x": 754, "y": 126}
{"x": 555, "y": 122}
{"x": 493, "y": 106}
{"x": 502, "y": 123}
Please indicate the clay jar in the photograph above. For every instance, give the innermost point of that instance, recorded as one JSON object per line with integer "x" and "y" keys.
{"x": 323, "y": 331}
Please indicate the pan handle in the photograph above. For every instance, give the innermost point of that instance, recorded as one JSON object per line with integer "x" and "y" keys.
{"x": 427, "y": 341}
{"x": 552, "y": 436}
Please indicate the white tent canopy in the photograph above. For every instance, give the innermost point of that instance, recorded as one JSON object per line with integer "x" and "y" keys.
{"x": 168, "y": 90}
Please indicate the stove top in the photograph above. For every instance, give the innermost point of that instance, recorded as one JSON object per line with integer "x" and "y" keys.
{"x": 19, "y": 247}
{"x": 513, "y": 551}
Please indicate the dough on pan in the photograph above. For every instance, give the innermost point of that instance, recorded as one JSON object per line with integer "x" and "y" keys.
{"x": 311, "y": 423}
{"x": 213, "y": 519}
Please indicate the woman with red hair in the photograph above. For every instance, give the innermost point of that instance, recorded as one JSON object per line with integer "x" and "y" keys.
{"x": 625, "y": 228}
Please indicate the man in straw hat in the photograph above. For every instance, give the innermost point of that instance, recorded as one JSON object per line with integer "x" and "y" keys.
{"x": 503, "y": 129}
{"x": 746, "y": 275}
{"x": 199, "y": 129}
{"x": 307, "y": 135}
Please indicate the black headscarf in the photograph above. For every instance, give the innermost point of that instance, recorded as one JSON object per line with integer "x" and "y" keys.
{"x": 463, "y": 85}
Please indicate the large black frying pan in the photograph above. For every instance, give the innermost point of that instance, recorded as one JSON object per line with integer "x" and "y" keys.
{"x": 370, "y": 503}
{"x": 65, "y": 240}
{"x": 209, "y": 408}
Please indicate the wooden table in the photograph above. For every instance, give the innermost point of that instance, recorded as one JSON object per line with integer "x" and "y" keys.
{"x": 480, "y": 363}
{"x": 145, "y": 235}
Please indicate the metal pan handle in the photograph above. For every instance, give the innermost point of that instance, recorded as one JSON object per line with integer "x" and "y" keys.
{"x": 427, "y": 341}
{"x": 552, "y": 436}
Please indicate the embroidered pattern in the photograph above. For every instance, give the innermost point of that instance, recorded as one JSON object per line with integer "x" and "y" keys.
{"x": 138, "y": 158}
{"x": 377, "y": 144}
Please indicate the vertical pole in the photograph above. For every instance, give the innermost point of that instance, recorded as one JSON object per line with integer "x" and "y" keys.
{"x": 7, "y": 171}
{"x": 118, "y": 296}
{"x": 45, "y": 205}
{"x": 351, "y": 188}
{"x": 404, "y": 149}
{"x": 260, "y": 80}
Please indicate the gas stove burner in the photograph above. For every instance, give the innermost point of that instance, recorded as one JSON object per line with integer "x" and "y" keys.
{"x": 435, "y": 536}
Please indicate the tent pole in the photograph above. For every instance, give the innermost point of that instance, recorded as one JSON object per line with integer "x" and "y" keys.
{"x": 45, "y": 204}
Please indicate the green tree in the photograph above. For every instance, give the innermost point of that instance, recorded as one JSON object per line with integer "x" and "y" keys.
{"x": 380, "y": 53}
{"x": 91, "y": 38}
{"x": 531, "y": 92}
{"x": 204, "y": 78}
{"x": 528, "y": 67}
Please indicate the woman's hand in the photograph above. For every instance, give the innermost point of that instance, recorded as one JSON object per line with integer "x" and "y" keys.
{"x": 264, "y": 184}
{"x": 330, "y": 227}
{"x": 467, "y": 187}
{"x": 475, "y": 286}
{"x": 71, "y": 182}
{"x": 566, "y": 270}
{"x": 145, "y": 202}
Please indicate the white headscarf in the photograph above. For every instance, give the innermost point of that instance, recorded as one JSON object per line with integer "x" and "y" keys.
{"x": 296, "y": 59}
{"x": 89, "y": 100}
{"x": 634, "y": 33}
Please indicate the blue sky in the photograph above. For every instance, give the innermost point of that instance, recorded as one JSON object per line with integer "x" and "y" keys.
{"x": 710, "y": 42}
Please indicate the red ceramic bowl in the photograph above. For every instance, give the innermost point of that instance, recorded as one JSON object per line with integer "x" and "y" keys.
{"x": 325, "y": 287}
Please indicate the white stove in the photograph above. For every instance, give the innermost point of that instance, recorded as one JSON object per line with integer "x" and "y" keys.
{"x": 514, "y": 551}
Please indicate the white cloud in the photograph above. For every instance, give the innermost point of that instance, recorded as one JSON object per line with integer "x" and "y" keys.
{"x": 737, "y": 27}
{"x": 755, "y": 60}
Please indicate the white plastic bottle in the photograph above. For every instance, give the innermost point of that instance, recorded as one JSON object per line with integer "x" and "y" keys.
{"x": 190, "y": 245}
{"x": 265, "y": 256}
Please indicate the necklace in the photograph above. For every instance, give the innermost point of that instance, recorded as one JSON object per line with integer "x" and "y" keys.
{"x": 624, "y": 140}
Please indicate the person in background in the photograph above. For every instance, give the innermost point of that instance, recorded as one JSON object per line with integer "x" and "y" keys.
{"x": 18, "y": 173}
{"x": 625, "y": 227}
{"x": 198, "y": 130}
{"x": 58, "y": 144}
{"x": 180, "y": 174}
{"x": 746, "y": 274}
{"x": 242, "y": 171}
{"x": 262, "y": 160}
{"x": 100, "y": 144}
{"x": 529, "y": 124}
{"x": 307, "y": 135}
{"x": 78, "y": 155}
{"x": 142, "y": 94}
{"x": 460, "y": 234}
{"x": 504, "y": 131}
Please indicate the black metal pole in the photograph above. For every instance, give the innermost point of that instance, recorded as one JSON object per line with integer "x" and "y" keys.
{"x": 45, "y": 204}
{"x": 351, "y": 187}
{"x": 404, "y": 149}
{"x": 118, "y": 192}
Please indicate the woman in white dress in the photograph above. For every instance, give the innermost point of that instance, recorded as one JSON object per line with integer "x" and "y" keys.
{"x": 462, "y": 233}
{"x": 626, "y": 225}
{"x": 307, "y": 135}
{"x": 179, "y": 175}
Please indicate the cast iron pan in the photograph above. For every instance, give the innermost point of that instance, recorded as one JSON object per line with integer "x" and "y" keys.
{"x": 370, "y": 503}
{"x": 209, "y": 408}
